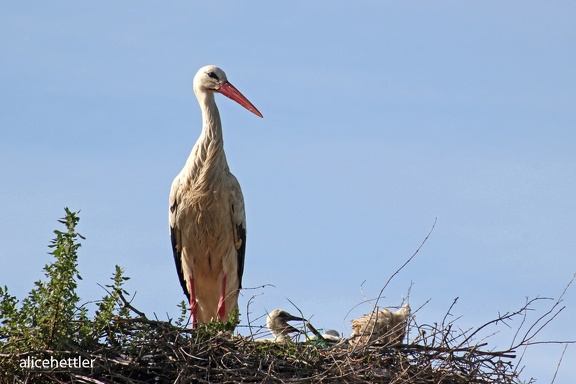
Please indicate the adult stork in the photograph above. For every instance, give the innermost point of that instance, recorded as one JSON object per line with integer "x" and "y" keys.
{"x": 207, "y": 218}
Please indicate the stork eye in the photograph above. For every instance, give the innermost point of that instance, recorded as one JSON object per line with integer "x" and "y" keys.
{"x": 212, "y": 75}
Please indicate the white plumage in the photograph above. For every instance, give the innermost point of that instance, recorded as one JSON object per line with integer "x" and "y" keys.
{"x": 207, "y": 217}
{"x": 277, "y": 323}
{"x": 388, "y": 326}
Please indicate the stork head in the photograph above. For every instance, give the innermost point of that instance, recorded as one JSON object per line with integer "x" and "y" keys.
{"x": 277, "y": 323}
{"x": 212, "y": 79}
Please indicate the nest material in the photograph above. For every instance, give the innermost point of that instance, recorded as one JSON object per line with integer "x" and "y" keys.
{"x": 157, "y": 352}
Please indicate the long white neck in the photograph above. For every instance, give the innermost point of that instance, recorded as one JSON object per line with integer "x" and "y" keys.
{"x": 211, "y": 124}
{"x": 208, "y": 152}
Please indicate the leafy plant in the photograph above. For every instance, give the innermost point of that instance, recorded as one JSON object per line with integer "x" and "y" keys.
{"x": 44, "y": 318}
{"x": 51, "y": 317}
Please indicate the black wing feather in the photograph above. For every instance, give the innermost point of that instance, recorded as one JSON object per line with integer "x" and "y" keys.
{"x": 241, "y": 252}
{"x": 174, "y": 237}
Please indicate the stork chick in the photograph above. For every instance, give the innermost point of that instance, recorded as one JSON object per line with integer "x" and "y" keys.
{"x": 278, "y": 326}
{"x": 385, "y": 324}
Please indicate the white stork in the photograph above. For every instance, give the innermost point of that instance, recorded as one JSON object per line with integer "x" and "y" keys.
{"x": 207, "y": 218}
{"x": 382, "y": 324}
{"x": 277, "y": 323}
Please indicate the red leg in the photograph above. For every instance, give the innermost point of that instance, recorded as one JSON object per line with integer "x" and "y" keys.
{"x": 193, "y": 304}
{"x": 222, "y": 302}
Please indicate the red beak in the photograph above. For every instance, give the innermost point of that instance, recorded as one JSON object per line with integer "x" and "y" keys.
{"x": 231, "y": 92}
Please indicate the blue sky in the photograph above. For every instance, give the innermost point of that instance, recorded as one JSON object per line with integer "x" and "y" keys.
{"x": 379, "y": 118}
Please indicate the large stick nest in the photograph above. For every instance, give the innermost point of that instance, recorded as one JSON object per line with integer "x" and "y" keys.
{"x": 147, "y": 351}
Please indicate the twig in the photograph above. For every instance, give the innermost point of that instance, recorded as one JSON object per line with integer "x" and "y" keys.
{"x": 559, "y": 362}
{"x": 406, "y": 262}
{"x": 128, "y": 304}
